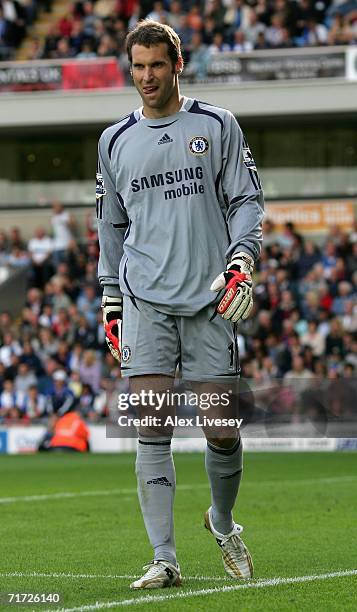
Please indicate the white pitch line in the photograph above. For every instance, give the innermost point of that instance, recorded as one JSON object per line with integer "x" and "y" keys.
{"x": 72, "y": 494}
{"x": 60, "y": 495}
{"x": 259, "y": 584}
{"x": 96, "y": 576}
{"x": 180, "y": 487}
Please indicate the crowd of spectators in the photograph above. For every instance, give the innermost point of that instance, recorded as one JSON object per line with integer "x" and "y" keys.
{"x": 16, "y": 19}
{"x": 54, "y": 354}
{"x": 303, "y": 328}
{"x": 97, "y": 28}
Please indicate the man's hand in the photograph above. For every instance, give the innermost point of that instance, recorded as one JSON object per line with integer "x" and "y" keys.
{"x": 112, "y": 308}
{"x": 237, "y": 301}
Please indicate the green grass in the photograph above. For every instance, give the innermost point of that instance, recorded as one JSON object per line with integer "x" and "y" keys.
{"x": 298, "y": 512}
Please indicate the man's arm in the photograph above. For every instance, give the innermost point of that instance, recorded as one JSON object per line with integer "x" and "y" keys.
{"x": 112, "y": 224}
{"x": 241, "y": 192}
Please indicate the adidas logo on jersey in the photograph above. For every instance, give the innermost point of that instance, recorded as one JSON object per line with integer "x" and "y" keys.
{"x": 161, "y": 481}
{"x": 165, "y": 139}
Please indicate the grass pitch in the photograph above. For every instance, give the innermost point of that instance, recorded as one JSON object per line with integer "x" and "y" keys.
{"x": 72, "y": 525}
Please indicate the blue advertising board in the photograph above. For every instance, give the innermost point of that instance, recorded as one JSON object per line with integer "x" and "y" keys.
{"x": 3, "y": 441}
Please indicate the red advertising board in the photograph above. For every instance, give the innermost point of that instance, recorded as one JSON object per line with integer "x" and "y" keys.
{"x": 56, "y": 75}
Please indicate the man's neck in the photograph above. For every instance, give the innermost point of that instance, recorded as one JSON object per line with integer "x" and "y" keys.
{"x": 173, "y": 107}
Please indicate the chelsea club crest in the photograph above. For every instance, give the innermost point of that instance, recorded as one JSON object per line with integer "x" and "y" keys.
{"x": 198, "y": 145}
{"x": 126, "y": 354}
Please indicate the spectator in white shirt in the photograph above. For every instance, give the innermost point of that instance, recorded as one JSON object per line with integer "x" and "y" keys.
{"x": 34, "y": 403}
{"x": 240, "y": 44}
{"x": 314, "y": 339}
{"x": 24, "y": 378}
{"x": 40, "y": 248}
{"x": 62, "y": 225}
{"x": 9, "y": 347}
{"x": 10, "y": 401}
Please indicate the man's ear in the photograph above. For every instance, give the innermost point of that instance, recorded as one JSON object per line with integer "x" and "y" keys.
{"x": 179, "y": 65}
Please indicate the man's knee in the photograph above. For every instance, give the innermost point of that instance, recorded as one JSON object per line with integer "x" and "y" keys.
{"x": 227, "y": 440}
{"x": 153, "y": 407}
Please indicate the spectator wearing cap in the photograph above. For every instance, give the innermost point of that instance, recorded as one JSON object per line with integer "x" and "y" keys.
{"x": 61, "y": 399}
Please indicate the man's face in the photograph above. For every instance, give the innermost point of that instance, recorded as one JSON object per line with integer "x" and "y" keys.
{"x": 154, "y": 75}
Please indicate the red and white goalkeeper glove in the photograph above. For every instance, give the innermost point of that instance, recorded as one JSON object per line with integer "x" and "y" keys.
{"x": 237, "y": 301}
{"x": 112, "y": 308}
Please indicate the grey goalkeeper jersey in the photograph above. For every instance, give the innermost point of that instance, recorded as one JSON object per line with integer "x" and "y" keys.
{"x": 176, "y": 197}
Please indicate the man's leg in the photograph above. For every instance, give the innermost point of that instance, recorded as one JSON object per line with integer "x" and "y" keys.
{"x": 151, "y": 346}
{"x": 210, "y": 354}
{"x": 224, "y": 465}
{"x": 155, "y": 473}
{"x": 156, "y": 480}
{"x": 223, "y": 456}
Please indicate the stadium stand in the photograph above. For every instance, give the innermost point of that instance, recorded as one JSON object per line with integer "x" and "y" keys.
{"x": 97, "y": 29}
{"x": 304, "y": 326}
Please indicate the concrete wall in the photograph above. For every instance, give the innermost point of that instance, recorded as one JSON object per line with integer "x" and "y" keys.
{"x": 254, "y": 99}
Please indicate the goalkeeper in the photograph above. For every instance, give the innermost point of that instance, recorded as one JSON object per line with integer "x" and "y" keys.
{"x": 180, "y": 209}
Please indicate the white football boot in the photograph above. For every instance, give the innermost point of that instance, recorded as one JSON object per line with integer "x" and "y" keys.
{"x": 159, "y": 575}
{"x": 236, "y": 557}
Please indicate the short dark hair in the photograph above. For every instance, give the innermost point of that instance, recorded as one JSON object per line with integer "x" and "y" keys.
{"x": 149, "y": 33}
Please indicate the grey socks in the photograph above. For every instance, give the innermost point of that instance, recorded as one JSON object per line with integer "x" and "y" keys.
{"x": 156, "y": 489}
{"x": 224, "y": 470}
{"x": 155, "y": 473}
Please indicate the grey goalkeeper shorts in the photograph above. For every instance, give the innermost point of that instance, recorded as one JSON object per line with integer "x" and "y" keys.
{"x": 152, "y": 342}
